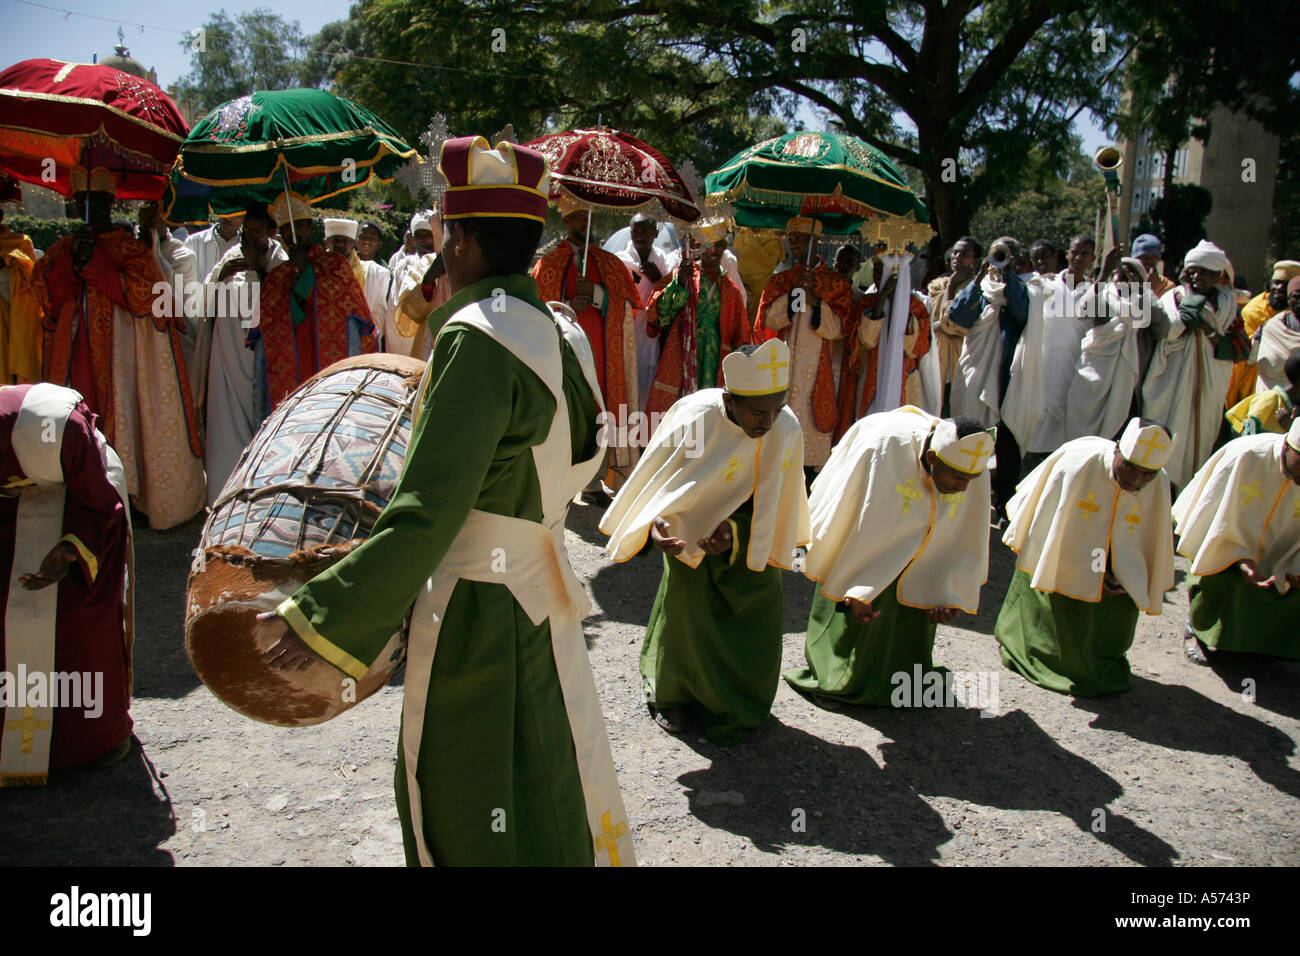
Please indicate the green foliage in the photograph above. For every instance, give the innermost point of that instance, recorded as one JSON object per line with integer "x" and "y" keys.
{"x": 1044, "y": 206}
{"x": 259, "y": 50}
{"x": 43, "y": 232}
{"x": 1285, "y": 232}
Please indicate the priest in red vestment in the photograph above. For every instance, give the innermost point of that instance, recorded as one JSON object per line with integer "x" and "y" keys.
{"x": 605, "y": 301}
{"x": 65, "y": 549}
{"x": 112, "y": 332}
{"x": 809, "y": 306}
{"x": 313, "y": 310}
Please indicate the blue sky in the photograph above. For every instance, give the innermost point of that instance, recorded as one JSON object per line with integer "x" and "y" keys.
{"x": 77, "y": 29}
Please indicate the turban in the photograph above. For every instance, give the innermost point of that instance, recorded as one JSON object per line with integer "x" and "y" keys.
{"x": 421, "y": 221}
{"x": 341, "y": 227}
{"x": 765, "y": 371}
{"x": 1207, "y": 256}
{"x": 1286, "y": 270}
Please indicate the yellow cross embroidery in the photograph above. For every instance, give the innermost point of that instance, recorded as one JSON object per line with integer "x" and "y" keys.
{"x": 953, "y": 501}
{"x": 1153, "y": 444}
{"x": 910, "y": 493}
{"x": 1251, "y": 492}
{"x": 733, "y": 466}
{"x": 774, "y": 365}
{"x": 785, "y": 462}
{"x": 28, "y": 725}
{"x": 1089, "y": 505}
{"x": 975, "y": 456}
{"x": 608, "y": 839}
{"x": 1133, "y": 519}
{"x": 1295, "y": 512}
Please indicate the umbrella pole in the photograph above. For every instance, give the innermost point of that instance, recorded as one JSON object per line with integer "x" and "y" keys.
{"x": 586, "y": 243}
{"x": 293, "y": 232}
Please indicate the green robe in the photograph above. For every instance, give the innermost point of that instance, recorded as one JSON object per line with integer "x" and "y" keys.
{"x": 1063, "y": 644}
{"x": 498, "y": 774}
{"x": 708, "y": 324}
{"x": 1230, "y": 615}
{"x": 856, "y": 663}
{"x": 713, "y": 642}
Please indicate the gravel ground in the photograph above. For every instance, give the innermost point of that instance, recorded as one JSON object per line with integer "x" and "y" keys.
{"x": 1182, "y": 770}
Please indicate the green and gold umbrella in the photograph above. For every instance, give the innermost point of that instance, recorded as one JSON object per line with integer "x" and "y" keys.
{"x": 254, "y": 147}
{"x": 839, "y": 180}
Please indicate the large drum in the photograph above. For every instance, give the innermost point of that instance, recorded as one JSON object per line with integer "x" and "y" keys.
{"x": 306, "y": 492}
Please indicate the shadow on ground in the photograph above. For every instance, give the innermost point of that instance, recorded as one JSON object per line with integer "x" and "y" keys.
{"x": 110, "y": 817}
{"x": 1179, "y": 718}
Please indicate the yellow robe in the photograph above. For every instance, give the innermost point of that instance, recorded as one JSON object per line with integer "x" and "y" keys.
{"x": 20, "y": 312}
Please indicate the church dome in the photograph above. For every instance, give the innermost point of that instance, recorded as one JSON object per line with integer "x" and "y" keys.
{"x": 121, "y": 59}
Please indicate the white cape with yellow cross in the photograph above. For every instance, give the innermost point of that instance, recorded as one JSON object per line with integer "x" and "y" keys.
{"x": 877, "y": 517}
{"x": 698, "y": 469}
{"x": 1069, "y": 520}
{"x": 1240, "y": 506}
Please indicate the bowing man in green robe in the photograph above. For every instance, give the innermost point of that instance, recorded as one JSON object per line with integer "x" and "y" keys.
{"x": 900, "y": 544}
{"x": 1238, "y": 523}
{"x": 1094, "y": 546}
{"x": 503, "y": 757}
{"x": 720, "y": 492}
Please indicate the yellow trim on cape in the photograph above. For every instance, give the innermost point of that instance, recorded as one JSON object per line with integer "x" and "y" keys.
{"x": 91, "y": 562}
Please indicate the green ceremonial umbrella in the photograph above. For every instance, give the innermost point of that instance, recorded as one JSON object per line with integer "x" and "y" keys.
{"x": 839, "y": 180}
{"x": 255, "y": 147}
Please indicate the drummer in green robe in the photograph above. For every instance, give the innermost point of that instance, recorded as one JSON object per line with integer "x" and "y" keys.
{"x": 1238, "y": 522}
{"x": 720, "y": 492}
{"x": 503, "y": 757}
{"x": 900, "y": 544}
{"x": 1094, "y": 546}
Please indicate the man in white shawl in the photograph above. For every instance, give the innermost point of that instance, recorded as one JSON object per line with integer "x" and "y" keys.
{"x": 1068, "y": 311}
{"x": 648, "y": 264}
{"x": 900, "y": 524}
{"x": 1091, "y": 531}
{"x": 720, "y": 491}
{"x": 234, "y": 288}
{"x": 999, "y": 373}
{"x": 1279, "y": 339}
{"x": 208, "y": 246}
{"x": 418, "y": 287}
{"x": 1200, "y": 334}
{"x": 1238, "y": 523}
{"x": 1103, "y": 389}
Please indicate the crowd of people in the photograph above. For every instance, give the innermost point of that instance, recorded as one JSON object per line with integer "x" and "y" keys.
{"x": 826, "y": 418}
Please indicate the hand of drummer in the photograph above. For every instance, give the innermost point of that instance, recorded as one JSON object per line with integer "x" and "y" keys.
{"x": 289, "y": 653}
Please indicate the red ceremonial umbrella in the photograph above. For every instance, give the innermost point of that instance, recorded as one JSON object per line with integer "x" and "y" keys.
{"x": 56, "y": 115}
{"x": 609, "y": 168}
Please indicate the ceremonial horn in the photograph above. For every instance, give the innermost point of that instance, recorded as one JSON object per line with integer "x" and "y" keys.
{"x": 1108, "y": 159}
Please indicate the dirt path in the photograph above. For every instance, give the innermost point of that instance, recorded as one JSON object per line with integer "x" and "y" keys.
{"x": 1182, "y": 770}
